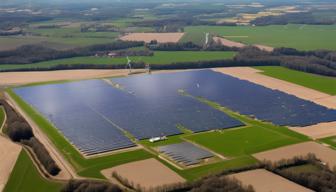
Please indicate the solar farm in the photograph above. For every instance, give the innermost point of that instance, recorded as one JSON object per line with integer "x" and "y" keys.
{"x": 99, "y": 116}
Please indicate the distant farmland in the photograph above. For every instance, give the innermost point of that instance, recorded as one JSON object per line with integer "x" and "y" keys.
{"x": 303, "y": 37}
{"x": 60, "y": 43}
{"x": 158, "y": 58}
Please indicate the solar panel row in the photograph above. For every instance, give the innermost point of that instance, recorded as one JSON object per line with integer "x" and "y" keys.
{"x": 185, "y": 153}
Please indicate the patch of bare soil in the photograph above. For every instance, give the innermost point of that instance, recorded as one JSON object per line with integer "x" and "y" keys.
{"x": 325, "y": 154}
{"x": 264, "y": 47}
{"x": 229, "y": 43}
{"x": 17, "y": 78}
{"x": 318, "y": 131}
{"x": 254, "y": 76}
{"x": 148, "y": 37}
{"x": 265, "y": 181}
{"x": 9, "y": 153}
{"x": 148, "y": 173}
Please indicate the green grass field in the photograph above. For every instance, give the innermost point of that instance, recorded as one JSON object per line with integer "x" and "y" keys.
{"x": 257, "y": 136}
{"x": 72, "y": 32}
{"x": 303, "y": 37}
{"x": 244, "y": 141}
{"x": 195, "y": 36}
{"x": 25, "y": 177}
{"x": 160, "y": 57}
{"x": 59, "y": 43}
{"x": 317, "y": 82}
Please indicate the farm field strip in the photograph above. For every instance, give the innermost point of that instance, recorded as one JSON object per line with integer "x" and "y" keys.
{"x": 324, "y": 153}
{"x": 230, "y": 43}
{"x": 160, "y": 57}
{"x": 264, "y": 181}
{"x": 150, "y": 173}
{"x": 148, "y": 37}
{"x": 9, "y": 153}
{"x": 321, "y": 130}
{"x": 42, "y": 77}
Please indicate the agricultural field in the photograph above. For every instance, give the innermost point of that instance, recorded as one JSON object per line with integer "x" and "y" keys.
{"x": 159, "y": 57}
{"x": 316, "y": 82}
{"x": 148, "y": 37}
{"x": 294, "y": 36}
{"x": 59, "y": 43}
{"x": 26, "y": 177}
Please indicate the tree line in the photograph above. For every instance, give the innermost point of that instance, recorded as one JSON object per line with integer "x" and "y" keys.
{"x": 210, "y": 183}
{"x": 90, "y": 186}
{"x": 35, "y": 53}
{"x": 322, "y": 62}
{"x": 293, "y": 18}
{"x": 18, "y": 130}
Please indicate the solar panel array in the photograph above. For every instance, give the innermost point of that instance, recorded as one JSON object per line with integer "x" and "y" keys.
{"x": 93, "y": 113}
{"x": 89, "y": 131}
{"x": 239, "y": 95}
{"x": 185, "y": 153}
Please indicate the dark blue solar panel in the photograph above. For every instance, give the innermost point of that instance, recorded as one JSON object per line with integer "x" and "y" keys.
{"x": 238, "y": 95}
{"x": 81, "y": 125}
